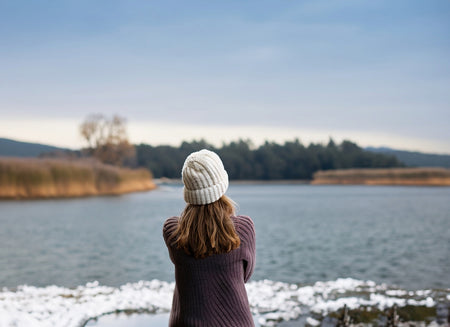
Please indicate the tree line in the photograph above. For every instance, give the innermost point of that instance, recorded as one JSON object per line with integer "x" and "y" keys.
{"x": 269, "y": 161}
{"x": 107, "y": 141}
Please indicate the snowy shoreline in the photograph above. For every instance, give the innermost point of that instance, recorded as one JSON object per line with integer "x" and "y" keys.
{"x": 270, "y": 301}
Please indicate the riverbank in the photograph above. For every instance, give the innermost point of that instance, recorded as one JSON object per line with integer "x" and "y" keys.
{"x": 390, "y": 176}
{"x": 30, "y": 178}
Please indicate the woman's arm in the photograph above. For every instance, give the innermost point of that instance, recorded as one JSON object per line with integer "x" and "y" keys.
{"x": 170, "y": 225}
{"x": 247, "y": 235}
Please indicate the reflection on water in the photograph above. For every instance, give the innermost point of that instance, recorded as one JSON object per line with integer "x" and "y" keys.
{"x": 135, "y": 320}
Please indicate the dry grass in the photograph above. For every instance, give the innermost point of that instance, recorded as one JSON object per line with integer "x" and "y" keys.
{"x": 391, "y": 176}
{"x": 45, "y": 178}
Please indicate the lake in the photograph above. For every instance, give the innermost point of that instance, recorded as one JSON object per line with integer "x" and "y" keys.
{"x": 389, "y": 236}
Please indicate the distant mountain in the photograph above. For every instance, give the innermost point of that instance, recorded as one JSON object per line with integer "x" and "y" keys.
{"x": 415, "y": 159}
{"x": 11, "y": 148}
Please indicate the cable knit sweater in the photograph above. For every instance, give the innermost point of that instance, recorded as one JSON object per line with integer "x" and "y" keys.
{"x": 211, "y": 291}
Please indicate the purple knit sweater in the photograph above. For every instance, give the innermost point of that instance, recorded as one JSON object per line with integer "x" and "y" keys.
{"x": 211, "y": 291}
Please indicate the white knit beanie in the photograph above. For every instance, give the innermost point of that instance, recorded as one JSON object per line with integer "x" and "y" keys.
{"x": 204, "y": 177}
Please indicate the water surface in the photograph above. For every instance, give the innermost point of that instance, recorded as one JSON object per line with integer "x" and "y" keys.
{"x": 396, "y": 235}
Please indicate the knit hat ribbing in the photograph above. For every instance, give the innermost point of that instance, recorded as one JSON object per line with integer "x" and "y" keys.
{"x": 204, "y": 177}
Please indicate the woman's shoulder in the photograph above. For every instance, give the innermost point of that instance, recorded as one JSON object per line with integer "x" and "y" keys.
{"x": 170, "y": 225}
{"x": 244, "y": 226}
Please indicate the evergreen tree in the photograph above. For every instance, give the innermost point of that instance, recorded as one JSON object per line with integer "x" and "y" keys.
{"x": 270, "y": 161}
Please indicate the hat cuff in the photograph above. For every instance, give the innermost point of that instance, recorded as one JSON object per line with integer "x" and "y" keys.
{"x": 205, "y": 195}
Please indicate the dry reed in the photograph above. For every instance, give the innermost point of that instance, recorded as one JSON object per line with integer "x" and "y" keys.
{"x": 389, "y": 176}
{"x": 45, "y": 178}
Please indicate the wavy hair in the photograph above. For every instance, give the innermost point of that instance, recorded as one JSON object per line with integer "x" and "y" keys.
{"x": 207, "y": 229}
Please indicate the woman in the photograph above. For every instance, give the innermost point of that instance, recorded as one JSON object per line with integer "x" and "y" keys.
{"x": 213, "y": 251}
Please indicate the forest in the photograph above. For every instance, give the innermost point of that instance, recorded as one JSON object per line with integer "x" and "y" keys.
{"x": 269, "y": 161}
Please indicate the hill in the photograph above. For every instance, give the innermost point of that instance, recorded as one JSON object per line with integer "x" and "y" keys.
{"x": 415, "y": 159}
{"x": 12, "y": 148}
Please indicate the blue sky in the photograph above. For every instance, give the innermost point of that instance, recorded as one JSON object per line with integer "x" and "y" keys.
{"x": 376, "y": 72}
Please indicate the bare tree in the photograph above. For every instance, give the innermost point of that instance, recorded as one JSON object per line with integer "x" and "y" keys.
{"x": 107, "y": 139}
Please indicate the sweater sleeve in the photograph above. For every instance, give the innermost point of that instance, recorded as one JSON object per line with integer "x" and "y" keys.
{"x": 170, "y": 225}
{"x": 247, "y": 235}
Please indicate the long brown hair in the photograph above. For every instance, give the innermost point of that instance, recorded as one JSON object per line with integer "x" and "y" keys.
{"x": 204, "y": 230}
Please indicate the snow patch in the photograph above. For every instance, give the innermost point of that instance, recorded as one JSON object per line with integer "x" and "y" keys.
{"x": 270, "y": 301}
